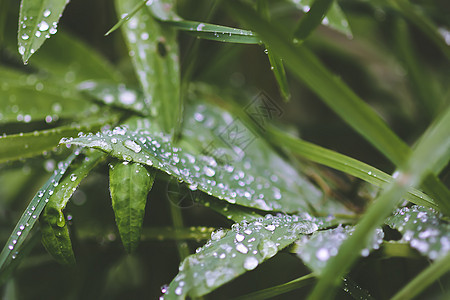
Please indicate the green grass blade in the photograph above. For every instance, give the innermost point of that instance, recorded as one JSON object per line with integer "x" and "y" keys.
{"x": 55, "y": 234}
{"x": 37, "y": 22}
{"x": 433, "y": 146}
{"x": 216, "y": 32}
{"x": 336, "y": 94}
{"x": 19, "y": 146}
{"x": 231, "y": 253}
{"x": 154, "y": 52}
{"x": 129, "y": 184}
{"x": 345, "y": 164}
{"x": 312, "y": 19}
{"x": 126, "y": 17}
{"x": 26, "y": 222}
{"x": 424, "y": 279}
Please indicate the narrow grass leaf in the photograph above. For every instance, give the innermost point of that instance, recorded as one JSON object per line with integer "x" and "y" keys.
{"x": 25, "y": 145}
{"x": 231, "y": 253}
{"x": 241, "y": 185}
{"x": 312, "y": 19}
{"x": 345, "y": 164}
{"x": 334, "y": 17}
{"x": 129, "y": 184}
{"x": 434, "y": 145}
{"x": 26, "y": 222}
{"x": 38, "y": 20}
{"x": 424, "y": 229}
{"x": 154, "y": 52}
{"x": 317, "y": 249}
{"x": 216, "y": 32}
{"x": 55, "y": 233}
{"x": 277, "y": 67}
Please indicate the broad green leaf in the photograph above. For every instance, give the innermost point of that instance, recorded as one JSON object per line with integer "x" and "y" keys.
{"x": 216, "y": 32}
{"x": 231, "y": 253}
{"x": 344, "y": 163}
{"x": 317, "y": 249}
{"x": 334, "y": 18}
{"x": 26, "y": 222}
{"x": 154, "y": 52}
{"x": 37, "y": 22}
{"x": 117, "y": 95}
{"x": 433, "y": 147}
{"x": 335, "y": 93}
{"x": 55, "y": 234}
{"x": 129, "y": 184}
{"x": 24, "y": 145}
{"x": 236, "y": 184}
{"x": 424, "y": 229}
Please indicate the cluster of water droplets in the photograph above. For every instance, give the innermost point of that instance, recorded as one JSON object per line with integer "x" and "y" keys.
{"x": 230, "y": 253}
{"x": 239, "y": 184}
{"x": 424, "y": 229}
{"x": 316, "y": 250}
{"x": 30, "y": 30}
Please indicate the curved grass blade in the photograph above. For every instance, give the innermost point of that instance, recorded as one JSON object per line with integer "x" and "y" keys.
{"x": 55, "y": 234}
{"x": 127, "y": 16}
{"x": 26, "y": 222}
{"x": 129, "y": 184}
{"x": 154, "y": 52}
{"x": 336, "y": 94}
{"x": 345, "y": 164}
{"x": 37, "y": 22}
{"x": 231, "y": 253}
{"x": 424, "y": 229}
{"x": 241, "y": 184}
{"x": 434, "y": 145}
{"x": 277, "y": 67}
{"x": 317, "y": 249}
{"x": 25, "y": 145}
{"x": 334, "y": 18}
{"x": 216, "y": 32}
{"x": 312, "y": 19}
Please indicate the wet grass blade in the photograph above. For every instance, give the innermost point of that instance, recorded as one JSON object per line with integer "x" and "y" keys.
{"x": 312, "y": 19}
{"x": 127, "y": 16}
{"x": 154, "y": 52}
{"x": 37, "y": 22}
{"x": 345, "y": 164}
{"x": 434, "y": 146}
{"x": 129, "y": 184}
{"x": 26, "y": 222}
{"x": 55, "y": 234}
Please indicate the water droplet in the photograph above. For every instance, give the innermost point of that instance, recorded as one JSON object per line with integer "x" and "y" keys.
{"x": 208, "y": 171}
{"x": 47, "y": 13}
{"x": 25, "y": 36}
{"x": 323, "y": 254}
{"x": 270, "y": 227}
{"x": 132, "y": 145}
{"x": 21, "y": 50}
{"x": 250, "y": 263}
{"x": 43, "y": 26}
{"x": 200, "y": 27}
{"x": 73, "y": 177}
{"x": 127, "y": 97}
{"x": 218, "y": 234}
{"x": 239, "y": 237}
{"x": 241, "y": 248}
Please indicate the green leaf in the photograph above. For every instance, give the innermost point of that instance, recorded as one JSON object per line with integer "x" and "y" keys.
{"x": 24, "y": 145}
{"x": 334, "y": 18}
{"x": 344, "y": 163}
{"x": 55, "y": 234}
{"x": 26, "y": 222}
{"x": 433, "y": 147}
{"x": 241, "y": 185}
{"x": 277, "y": 67}
{"x": 231, "y": 253}
{"x": 37, "y": 22}
{"x": 312, "y": 19}
{"x": 154, "y": 52}
{"x": 117, "y": 95}
{"x": 424, "y": 229}
{"x": 216, "y": 32}
{"x": 129, "y": 184}
{"x": 317, "y": 249}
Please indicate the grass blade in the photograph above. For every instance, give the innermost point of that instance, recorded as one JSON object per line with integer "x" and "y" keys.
{"x": 37, "y": 22}
{"x": 433, "y": 146}
{"x": 312, "y": 19}
{"x": 129, "y": 184}
{"x": 26, "y": 222}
